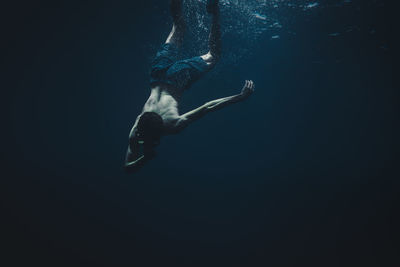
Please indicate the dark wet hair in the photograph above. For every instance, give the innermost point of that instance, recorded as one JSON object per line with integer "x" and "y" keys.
{"x": 150, "y": 125}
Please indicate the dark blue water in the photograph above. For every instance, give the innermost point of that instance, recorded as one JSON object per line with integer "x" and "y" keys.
{"x": 303, "y": 173}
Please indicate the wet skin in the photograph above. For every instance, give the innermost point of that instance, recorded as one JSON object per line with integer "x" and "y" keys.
{"x": 164, "y": 99}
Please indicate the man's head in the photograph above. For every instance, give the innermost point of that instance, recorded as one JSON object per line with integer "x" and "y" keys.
{"x": 150, "y": 127}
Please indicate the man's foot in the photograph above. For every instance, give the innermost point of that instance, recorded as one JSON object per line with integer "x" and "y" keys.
{"x": 212, "y": 6}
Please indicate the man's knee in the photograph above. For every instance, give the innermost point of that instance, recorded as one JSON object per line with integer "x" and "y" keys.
{"x": 210, "y": 58}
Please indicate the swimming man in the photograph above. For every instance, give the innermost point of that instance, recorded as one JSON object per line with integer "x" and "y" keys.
{"x": 168, "y": 79}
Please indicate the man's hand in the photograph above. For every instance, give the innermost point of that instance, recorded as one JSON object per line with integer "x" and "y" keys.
{"x": 248, "y": 89}
{"x": 134, "y": 164}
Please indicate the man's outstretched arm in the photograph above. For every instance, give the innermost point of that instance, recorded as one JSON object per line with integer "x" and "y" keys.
{"x": 213, "y": 105}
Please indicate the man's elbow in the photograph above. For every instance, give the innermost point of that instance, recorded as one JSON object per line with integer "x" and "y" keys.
{"x": 210, "y": 106}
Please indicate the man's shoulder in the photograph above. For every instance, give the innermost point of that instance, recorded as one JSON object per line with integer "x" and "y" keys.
{"x": 176, "y": 125}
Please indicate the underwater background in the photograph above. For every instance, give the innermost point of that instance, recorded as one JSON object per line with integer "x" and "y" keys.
{"x": 303, "y": 173}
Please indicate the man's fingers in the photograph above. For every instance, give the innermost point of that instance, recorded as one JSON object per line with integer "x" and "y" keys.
{"x": 249, "y": 84}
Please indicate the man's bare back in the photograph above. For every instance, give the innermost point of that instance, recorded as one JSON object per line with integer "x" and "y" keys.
{"x": 169, "y": 79}
{"x": 163, "y": 103}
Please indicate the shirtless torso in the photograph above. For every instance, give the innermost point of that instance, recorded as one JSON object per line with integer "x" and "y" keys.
{"x": 163, "y": 103}
{"x": 170, "y": 78}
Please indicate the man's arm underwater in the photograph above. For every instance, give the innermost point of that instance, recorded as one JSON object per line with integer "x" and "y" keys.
{"x": 217, "y": 104}
{"x": 134, "y": 159}
{"x": 133, "y": 166}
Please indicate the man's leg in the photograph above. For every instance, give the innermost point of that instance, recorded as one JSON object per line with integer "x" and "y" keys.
{"x": 178, "y": 27}
{"x": 214, "y": 41}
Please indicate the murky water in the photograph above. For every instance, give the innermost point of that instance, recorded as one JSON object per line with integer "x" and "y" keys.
{"x": 247, "y": 22}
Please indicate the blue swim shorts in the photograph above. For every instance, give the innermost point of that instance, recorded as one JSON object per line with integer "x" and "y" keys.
{"x": 179, "y": 74}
